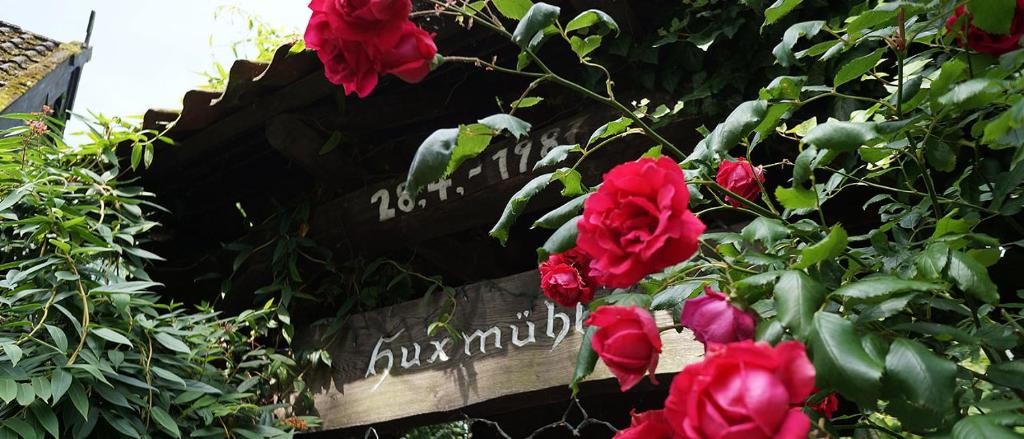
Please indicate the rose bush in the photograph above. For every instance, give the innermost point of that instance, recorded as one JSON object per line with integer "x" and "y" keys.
{"x": 878, "y": 262}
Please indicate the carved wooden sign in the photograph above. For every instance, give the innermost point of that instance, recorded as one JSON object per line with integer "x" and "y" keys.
{"x": 474, "y": 194}
{"x": 386, "y": 366}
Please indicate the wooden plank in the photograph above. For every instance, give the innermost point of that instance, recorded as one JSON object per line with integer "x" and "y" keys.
{"x": 387, "y": 368}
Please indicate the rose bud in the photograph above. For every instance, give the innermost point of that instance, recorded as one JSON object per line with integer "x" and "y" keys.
{"x": 411, "y": 57}
{"x": 647, "y": 425}
{"x": 714, "y": 320}
{"x": 827, "y": 406}
{"x": 743, "y": 390}
{"x": 638, "y": 222}
{"x": 627, "y": 341}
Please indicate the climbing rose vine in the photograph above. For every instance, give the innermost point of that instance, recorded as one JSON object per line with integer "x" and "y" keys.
{"x": 863, "y": 290}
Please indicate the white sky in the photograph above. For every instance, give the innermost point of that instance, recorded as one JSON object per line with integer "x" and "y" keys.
{"x": 147, "y": 53}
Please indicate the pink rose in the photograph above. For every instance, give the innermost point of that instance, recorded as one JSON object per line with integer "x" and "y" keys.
{"x": 740, "y": 178}
{"x": 743, "y": 390}
{"x": 647, "y": 425}
{"x": 638, "y": 222}
{"x": 347, "y": 63}
{"x": 714, "y": 320}
{"x": 627, "y": 341}
{"x": 411, "y": 56}
{"x": 981, "y": 41}
{"x": 565, "y": 278}
{"x": 377, "y": 21}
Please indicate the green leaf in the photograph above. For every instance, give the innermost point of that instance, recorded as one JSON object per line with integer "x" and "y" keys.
{"x": 331, "y": 143}
{"x": 1010, "y": 373}
{"x": 841, "y": 136}
{"x": 609, "y": 129}
{"x": 514, "y": 9}
{"x": 591, "y": 17}
{"x": 111, "y": 335}
{"x": 472, "y": 140}
{"x": 993, "y": 16}
{"x": 829, "y": 248}
{"x": 737, "y": 125}
{"x": 753, "y": 288}
{"x": 171, "y": 342}
{"x": 796, "y": 197}
{"x": 767, "y": 230}
{"x": 797, "y": 298}
{"x": 59, "y": 383}
{"x": 564, "y": 238}
{"x": 857, "y": 67}
{"x": 972, "y": 93}
{"x": 586, "y": 359}
{"x": 165, "y": 420}
{"x": 125, "y": 287}
{"x": 572, "y": 182}
{"x": 431, "y": 159}
{"x": 505, "y": 122}
{"x": 45, "y": 417}
{"x": 881, "y": 287}
{"x": 1012, "y": 118}
{"x": 803, "y": 166}
{"x": 979, "y": 426}
{"x": 940, "y": 155}
{"x": 841, "y": 362}
{"x": 24, "y": 429}
{"x": 583, "y": 46}
{"x": 555, "y": 218}
{"x": 770, "y": 331}
{"x": 538, "y": 17}
{"x": 918, "y": 384}
{"x": 59, "y": 338}
{"x": 784, "y": 50}
{"x": 526, "y": 102}
{"x": 675, "y": 295}
{"x": 554, "y": 156}
{"x": 13, "y": 352}
{"x": 515, "y": 206}
{"x": 779, "y": 9}
{"x": 783, "y": 87}
{"x": 8, "y": 390}
{"x": 26, "y": 394}
{"x": 972, "y": 277}
{"x": 885, "y": 309}
{"x": 77, "y": 394}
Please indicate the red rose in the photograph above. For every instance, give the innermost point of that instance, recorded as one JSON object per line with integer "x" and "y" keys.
{"x": 647, "y": 425}
{"x": 714, "y": 320}
{"x": 740, "y": 178}
{"x": 827, "y": 406}
{"x": 981, "y": 41}
{"x": 377, "y": 21}
{"x": 743, "y": 390}
{"x": 410, "y": 58}
{"x": 627, "y": 341}
{"x": 565, "y": 278}
{"x": 347, "y": 63}
{"x": 638, "y": 221}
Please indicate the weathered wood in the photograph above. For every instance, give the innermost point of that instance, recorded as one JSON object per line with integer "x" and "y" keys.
{"x": 386, "y": 366}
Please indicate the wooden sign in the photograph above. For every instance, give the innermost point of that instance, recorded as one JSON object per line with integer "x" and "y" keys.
{"x": 474, "y": 195}
{"x": 386, "y": 366}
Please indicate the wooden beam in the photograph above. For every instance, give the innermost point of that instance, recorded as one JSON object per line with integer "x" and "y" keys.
{"x": 387, "y": 367}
